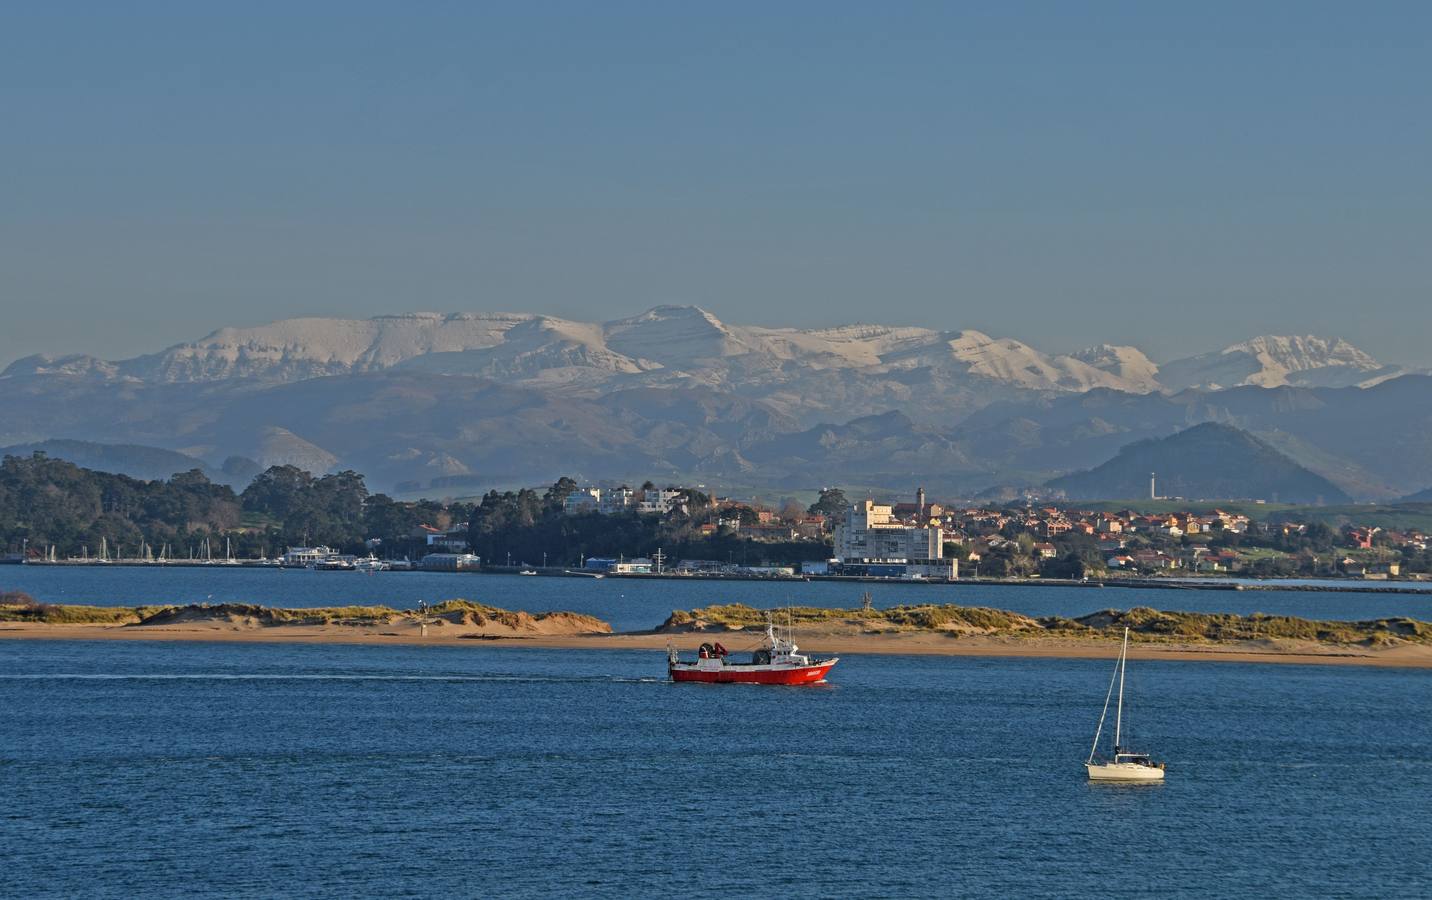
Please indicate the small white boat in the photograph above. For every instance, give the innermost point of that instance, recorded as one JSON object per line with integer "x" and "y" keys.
{"x": 527, "y": 572}
{"x": 1125, "y": 765}
{"x": 370, "y": 563}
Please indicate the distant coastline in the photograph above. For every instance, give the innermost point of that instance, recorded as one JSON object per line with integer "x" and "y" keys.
{"x": 1201, "y": 583}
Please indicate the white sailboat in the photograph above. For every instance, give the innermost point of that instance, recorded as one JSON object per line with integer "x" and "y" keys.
{"x": 1125, "y": 764}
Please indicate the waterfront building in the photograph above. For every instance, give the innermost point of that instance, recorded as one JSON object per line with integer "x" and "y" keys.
{"x": 638, "y": 566}
{"x": 451, "y": 562}
{"x": 869, "y": 541}
{"x": 453, "y": 540}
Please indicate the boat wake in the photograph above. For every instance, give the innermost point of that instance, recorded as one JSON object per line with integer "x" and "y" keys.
{"x": 337, "y": 677}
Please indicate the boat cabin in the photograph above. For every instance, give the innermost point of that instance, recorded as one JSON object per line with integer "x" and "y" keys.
{"x": 777, "y": 651}
{"x": 1125, "y": 757}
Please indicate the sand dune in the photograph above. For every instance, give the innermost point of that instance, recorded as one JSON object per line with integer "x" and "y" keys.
{"x": 954, "y": 631}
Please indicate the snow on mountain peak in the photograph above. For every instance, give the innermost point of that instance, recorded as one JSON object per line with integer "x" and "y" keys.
{"x": 686, "y": 345}
{"x": 1277, "y": 360}
{"x": 1297, "y": 353}
{"x": 1128, "y": 363}
{"x": 674, "y": 336}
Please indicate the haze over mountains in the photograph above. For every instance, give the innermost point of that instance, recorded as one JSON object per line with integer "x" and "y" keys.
{"x": 471, "y": 399}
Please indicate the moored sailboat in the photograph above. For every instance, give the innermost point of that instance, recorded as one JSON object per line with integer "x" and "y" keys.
{"x": 1124, "y": 765}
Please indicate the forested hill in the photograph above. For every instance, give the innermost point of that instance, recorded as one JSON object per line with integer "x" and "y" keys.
{"x": 46, "y": 501}
{"x": 1208, "y": 461}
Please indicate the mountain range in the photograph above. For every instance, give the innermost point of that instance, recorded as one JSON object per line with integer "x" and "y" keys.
{"x": 470, "y": 399}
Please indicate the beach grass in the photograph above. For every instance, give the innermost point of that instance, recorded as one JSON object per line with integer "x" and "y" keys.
{"x": 19, "y": 607}
{"x": 1144, "y": 624}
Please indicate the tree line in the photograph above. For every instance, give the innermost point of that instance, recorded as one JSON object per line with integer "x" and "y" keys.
{"x": 47, "y": 502}
{"x": 525, "y": 527}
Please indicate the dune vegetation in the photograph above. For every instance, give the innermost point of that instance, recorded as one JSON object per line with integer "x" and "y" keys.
{"x": 1145, "y": 624}
{"x": 18, "y": 607}
{"x": 739, "y": 616}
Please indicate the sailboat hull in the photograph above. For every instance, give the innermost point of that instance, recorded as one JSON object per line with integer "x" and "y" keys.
{"x": 1123, "y": 772}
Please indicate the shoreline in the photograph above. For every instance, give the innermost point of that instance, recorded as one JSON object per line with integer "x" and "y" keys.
{"x": 1192, "y": 583}
{"x": 922, "y": 643}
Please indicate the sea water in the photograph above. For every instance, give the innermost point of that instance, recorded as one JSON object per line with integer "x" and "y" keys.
{"x": 632, "y": 604}
{"x": 145, "y": 768}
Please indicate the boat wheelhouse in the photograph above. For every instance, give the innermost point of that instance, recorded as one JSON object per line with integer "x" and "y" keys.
{"x": 776, "y": 661}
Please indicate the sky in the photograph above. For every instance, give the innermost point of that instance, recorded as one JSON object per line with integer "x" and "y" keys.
{"x": 1174, "y": 176}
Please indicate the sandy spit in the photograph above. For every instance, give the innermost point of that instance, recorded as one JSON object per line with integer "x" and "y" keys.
{"x": 922, "y": 643}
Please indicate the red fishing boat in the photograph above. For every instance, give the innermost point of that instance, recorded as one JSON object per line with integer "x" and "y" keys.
{"x": 774, "y": 662}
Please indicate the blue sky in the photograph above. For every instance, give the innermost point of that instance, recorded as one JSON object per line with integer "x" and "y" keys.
{"x": 1174, "y": 177}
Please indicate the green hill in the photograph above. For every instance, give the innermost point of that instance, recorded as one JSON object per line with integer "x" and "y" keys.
{"x": 1208, "y": 461}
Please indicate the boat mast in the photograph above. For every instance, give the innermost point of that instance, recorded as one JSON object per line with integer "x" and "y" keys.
{"x": 1104, "y": 714}
{"x": 1119, "y": 716}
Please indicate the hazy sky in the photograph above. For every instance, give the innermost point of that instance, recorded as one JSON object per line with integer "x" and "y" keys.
{"x": 1064, "y": 173}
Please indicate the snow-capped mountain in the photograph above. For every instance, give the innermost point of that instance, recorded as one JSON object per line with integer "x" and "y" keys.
{"x": 678, "y": 341}
{"x": 855, "y": 367}
{"x": 1274, "y": 361}
{"x": 483, "y": 398}
{"x": 1128, "y": 363}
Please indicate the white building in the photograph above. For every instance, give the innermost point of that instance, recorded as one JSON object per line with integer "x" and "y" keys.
{"x": 453, "y": 540}
{"x": 616, "y": 500}
{"x": 450, "y": 562}
{"x": 611, "y": 501}
{"x": 869, "y": 534}
{"x": 582, "y": 500}
{"x": 870, "y": 537}
{"x": 659, "y": 501}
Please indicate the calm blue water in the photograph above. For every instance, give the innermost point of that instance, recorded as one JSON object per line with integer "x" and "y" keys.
{"x": 143, "y": 768}
{"x": 634, "y": 604}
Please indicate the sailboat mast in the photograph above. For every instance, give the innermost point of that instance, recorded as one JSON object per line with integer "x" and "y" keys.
{"x": 1119, "y": 716}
